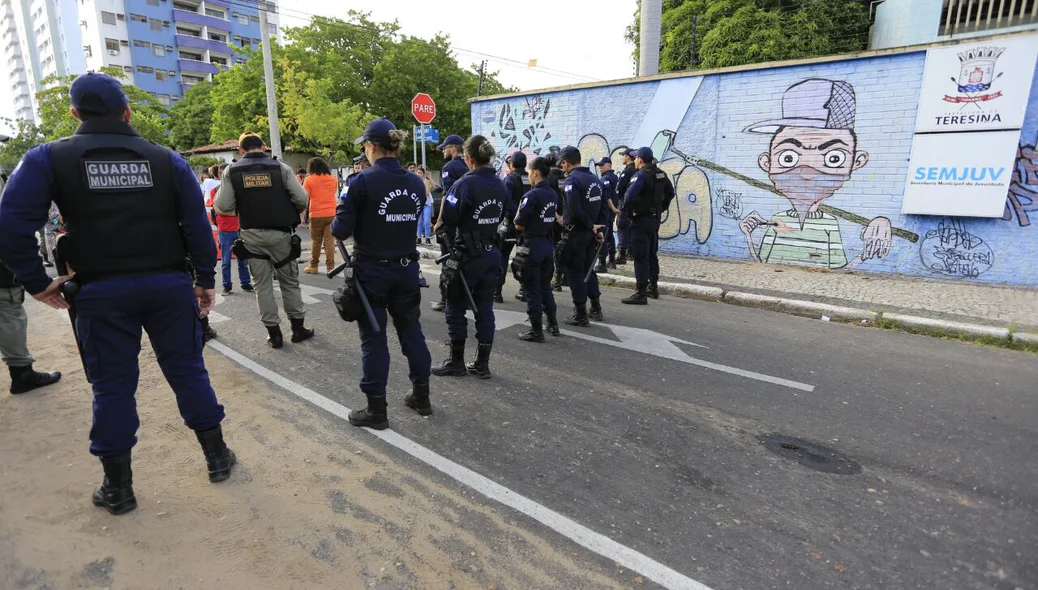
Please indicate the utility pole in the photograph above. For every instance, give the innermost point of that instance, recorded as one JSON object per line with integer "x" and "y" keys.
{"x": 268, "y": 75}
{"x": 692, "y": 58}
{"x": 482, "y": 76}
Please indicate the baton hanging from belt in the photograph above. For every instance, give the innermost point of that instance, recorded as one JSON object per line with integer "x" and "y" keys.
{"x": 461, "y": 275}
{"x": 69, "y": 290}
{"x": 347, "y": 261}
{"x": 591, "y": 268}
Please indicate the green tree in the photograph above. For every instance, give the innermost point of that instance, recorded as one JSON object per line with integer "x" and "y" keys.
{"x": 149, "y": 116}
{"x": 239, "y": 99}
{"x": 318, "y": 123}
{"x": 203, "y": 161}
{"x": 720, "y": 33}
{"x": 191, "y": 119}
{"x": 27, "y": 135}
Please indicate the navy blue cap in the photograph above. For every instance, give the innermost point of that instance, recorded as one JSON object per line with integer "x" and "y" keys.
{"x": 568, "y": 153}
{"x": 377, "y": 131}
{"x": 359, "y": 159}
{"x": 98, "y": 94}
{"x": 517, "y": 159}
{"x": 643, "y": 153}
{"x": 451, "y": 140}
{"x": 605, "y": 160}
{"x": 630, "y": 152}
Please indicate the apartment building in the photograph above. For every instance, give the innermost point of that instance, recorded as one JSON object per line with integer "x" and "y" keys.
{"x": 899, "y": 23}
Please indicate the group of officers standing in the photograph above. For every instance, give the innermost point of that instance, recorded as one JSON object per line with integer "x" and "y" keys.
{"x": 144, "y": 258}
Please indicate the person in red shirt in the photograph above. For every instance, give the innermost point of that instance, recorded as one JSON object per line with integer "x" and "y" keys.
{"x": 229, "y": 227}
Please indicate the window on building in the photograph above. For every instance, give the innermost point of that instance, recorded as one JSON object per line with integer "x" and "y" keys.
{"x": 138, "y": 18}
{"x": 243, "y": 19}
{"x": 189, "y": 79}
{"x": 188, "y": 32}
{"x": 220, "y": 61}
{"x": 216, "y": 13}
{"x": 190, "y": 55}
{"x": 112, "y": 45}
{"x": 154, "y": 24}
{"x": 108, "y": 18}
{"x": 143, "y": 44}
{"x": 218, "y": 37}
{"x": 153, "y": 2}
{"x": 145, "y": 70}
{"x": 161, "y": 75}
{"x": 164, "y": 99}
{"x": 124, "y": 42}
{"x": 127, "y": 69}
{"x": 185, "y": 6}
{"x": 158, "y": 50}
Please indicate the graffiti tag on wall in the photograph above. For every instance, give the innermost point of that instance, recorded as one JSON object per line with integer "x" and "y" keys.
{"x": 1023, "y": 191}
{"x": 951, "y": 250}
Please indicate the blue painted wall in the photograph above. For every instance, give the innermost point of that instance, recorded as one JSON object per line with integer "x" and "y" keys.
{"x": 708, "y": 118}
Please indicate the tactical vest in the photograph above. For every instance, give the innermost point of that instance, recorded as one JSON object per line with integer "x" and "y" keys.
{"x": 116, "y": 193}
{"x": 392, "y": 203}
{"x": 486, "y": 208}
{"x": 542, "y": 204}
{"x": 520, "y": 186}
{"x": 262, "y": 198}
{"x": 650, "y": 200}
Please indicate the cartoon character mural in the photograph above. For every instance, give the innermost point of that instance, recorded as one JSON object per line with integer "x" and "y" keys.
{"x": 813, "y": 152}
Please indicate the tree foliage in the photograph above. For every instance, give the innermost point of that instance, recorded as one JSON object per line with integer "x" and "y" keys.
{"x": 191, "y": 119}
{"x": 721, "y": 33}
{"x": 27, "y": 135}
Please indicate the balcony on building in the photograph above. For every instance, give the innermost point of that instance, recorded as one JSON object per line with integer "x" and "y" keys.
{"x": 202, "y": 14}
{"x": 193, "y": 61}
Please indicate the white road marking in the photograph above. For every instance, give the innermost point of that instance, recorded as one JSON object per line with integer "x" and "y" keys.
{"x": 576, "y": 532}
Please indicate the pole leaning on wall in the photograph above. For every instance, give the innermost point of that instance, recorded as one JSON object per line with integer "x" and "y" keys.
{"x": 268, "y": 76}
{"x": 649, "y": 38}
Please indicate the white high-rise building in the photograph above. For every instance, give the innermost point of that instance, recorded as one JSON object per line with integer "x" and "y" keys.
{"x": 40, "y": 39}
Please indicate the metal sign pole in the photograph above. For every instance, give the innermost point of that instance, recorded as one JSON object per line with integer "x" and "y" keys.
{"x": 423, "y": 146}
{"x": 414, "y": 150}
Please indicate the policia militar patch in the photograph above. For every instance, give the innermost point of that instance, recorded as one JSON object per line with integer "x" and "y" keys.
{"x": 107, "y": 175}
{"x": 257, "y": 180}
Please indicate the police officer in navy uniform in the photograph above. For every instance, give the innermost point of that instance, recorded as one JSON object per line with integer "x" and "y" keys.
{"x": 471, "y": 212}
{"x": 133, "y": 212}
{"x": 583, "y": 218}
{"x": 647, "y": 199}
{"x": 609, "y": 199}
{"x": 453, "y": 169}
{"x": 536, "y": 219}
{"x": 517, "y": 184}
{"x": 380, "y": 211}
{"x": 623, "y": 181}
{"x": 268, "y": 199}
{"x": 555, "y": 178}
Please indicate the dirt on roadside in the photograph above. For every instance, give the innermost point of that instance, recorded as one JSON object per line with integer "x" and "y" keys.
{"x": 312, "y": 504}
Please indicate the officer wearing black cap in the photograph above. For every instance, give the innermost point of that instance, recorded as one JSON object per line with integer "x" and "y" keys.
{"x": 453, "y": 169}
{"x": 555, "y": 178}
{"x": 537, "y": 221}
{"x": 623, "y": 181}
{"x": 471, "y": 212}
{"x": 583, "y": 217}
{"x": 360, "y": 163}
{"x": 134, "y": 214}
{"x": 647, "y": 198}
{"x": 518, "y": 184}
{"x": 268, "y": 199}
{"x": 380, "y": 210}
{"x": 609, "y": 201}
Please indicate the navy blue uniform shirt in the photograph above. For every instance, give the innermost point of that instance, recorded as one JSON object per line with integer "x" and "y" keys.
{"x": 638, "y": 186}
{"x": 26, "y": 202}
{"x": 512, "y": 205}
{"x": 476, "y": 203}
{"x": 583, "y": 193}
{"x": 380, "y": 210}
{"x": 452, "y": 172}
{"x": 609, "y": 181}
{"x": 623, "y": 181}
{"x": 537, "y": 211}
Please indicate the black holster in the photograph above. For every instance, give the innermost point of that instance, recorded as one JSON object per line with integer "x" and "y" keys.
{"x": 346, "y": 300}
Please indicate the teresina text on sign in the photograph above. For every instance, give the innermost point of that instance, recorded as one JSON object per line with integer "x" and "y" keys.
{"x": 118, "y": 175}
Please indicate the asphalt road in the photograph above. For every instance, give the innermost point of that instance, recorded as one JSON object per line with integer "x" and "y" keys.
{"x": 657, "y": 436}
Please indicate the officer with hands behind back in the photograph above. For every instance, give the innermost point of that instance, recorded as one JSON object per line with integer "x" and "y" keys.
{"x": 471, "y": 212}
{"x": 584, "y": 219}
{"x": 134, "y": 213}
{"x": 517, "y": 184}
{"x": 536, "y": 220}
{"x": 454, "y": 168}
{"x": 647, "y": 198}
{"x": 268, "y": 199}
{"x": 380, "y": 211}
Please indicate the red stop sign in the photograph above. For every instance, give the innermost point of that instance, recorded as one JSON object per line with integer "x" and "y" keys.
{"x": 423, "y": 108}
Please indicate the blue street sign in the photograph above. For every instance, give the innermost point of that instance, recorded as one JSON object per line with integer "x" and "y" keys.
{"x": 430, "y": 135}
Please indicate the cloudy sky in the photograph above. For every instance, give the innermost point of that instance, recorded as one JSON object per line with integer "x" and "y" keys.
{"x": 574, "y": 42}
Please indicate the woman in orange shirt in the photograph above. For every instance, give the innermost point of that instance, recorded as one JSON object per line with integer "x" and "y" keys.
{"x": 322, "y": 188}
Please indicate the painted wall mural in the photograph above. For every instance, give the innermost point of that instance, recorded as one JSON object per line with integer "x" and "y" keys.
{"x": 800, "y": 165}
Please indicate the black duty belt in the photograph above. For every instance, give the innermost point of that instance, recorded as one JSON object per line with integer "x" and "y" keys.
{"x": 402, "y": 261}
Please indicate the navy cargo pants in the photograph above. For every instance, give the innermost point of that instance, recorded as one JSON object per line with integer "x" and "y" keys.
{"x": 580, "y": 256}
{"x": 111, "y": 315}
{"x": 482, "y": 273}
{"x": 537, "y": 278}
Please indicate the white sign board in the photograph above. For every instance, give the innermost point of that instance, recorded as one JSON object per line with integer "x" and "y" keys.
{"x": 962, "y": 174}
{"x": 977, "y": 86}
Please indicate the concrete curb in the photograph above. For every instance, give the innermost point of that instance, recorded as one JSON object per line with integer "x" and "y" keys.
{"x": 799, "y": 307}
{"x": 946, "y": 328}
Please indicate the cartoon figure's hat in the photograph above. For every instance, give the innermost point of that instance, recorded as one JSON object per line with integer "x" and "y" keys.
{"x": 813, "y": 103}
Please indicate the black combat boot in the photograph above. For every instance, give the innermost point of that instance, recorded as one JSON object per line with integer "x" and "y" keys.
{"x": 622, "y": 259}
{"x": 374, "y": 416}
{"x": 536, "y": 331}
{"x": 596, "y": 310}
{"x": 553, "y": 325}
{"x": 601, "y": 266}
{"x": 24, "y": 379}
{"x": 418, "y": 399}
{"x": 208, "y": 333}
{"x": 579, "y": 317}
{"x": 481, "y": 366}
{"x": 274, "y": 337}
{"x": 612, "y": 260}
{"x": 653, "y": 290}
{"x": 638, "y": 298}
{"x": 499, "y": 297}
{"x": 454, "y": 365}
{"x": 439, "y": 305}
{"x": 218, "y": 458}
{"x": 299, "y": 331}
{"x": 115, "y": 494}
{"x": 520, "y": 296}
